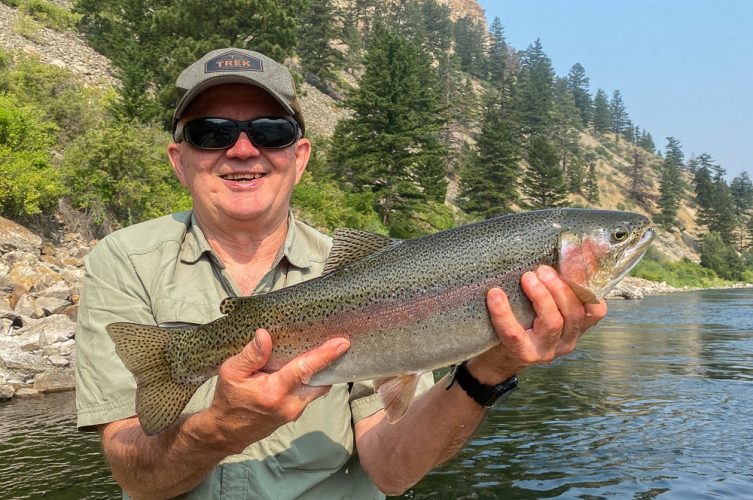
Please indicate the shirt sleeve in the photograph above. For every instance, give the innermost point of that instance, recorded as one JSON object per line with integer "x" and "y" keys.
{"x": 111, "y": 292}
{"x": 364, "y": 402}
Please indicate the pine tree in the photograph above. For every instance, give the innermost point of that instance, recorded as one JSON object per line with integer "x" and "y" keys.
{"x": 565, "y": 134}
{"x": 498, "y": 54}
{"x": 543, "y": 184}
{"x": 592, "y": 185}
{"x": 671, "y": 187}
{"x": 578, "y": 83}
{"x": 639, "y": 185}
{"x": 319, "y": 60}
{"x": 741, "y": 189}
{"x": 602, "y": 117}
{"x": 535, "y": 90}
{"x": 490, "y": 175}
{"x": 390, "y": 145}
{"x": 469, "y": 46}
{"x": 646, "y": 142}
{"x": 438, "y": 29}
{"x": 619, "y": 114}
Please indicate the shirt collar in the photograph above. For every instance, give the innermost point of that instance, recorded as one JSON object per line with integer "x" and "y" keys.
{"x": 195, "y": 245}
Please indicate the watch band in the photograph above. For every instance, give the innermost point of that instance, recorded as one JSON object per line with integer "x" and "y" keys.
{"x": 485, "y": 395}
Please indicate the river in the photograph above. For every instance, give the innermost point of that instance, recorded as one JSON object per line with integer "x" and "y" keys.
{"x": 655, "y": 403}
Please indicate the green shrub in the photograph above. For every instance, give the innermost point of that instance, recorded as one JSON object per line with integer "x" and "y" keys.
{"x": 49, "y": 14}
{"x": 57, "y": 92}
{"x": 120, "y": 173}
{"x": 29, "y": 183}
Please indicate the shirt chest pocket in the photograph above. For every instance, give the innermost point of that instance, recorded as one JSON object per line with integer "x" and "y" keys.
{"x": 177, "y": 313}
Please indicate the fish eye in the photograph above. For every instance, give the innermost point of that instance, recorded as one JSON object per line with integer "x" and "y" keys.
{"x": 619, "y": 235}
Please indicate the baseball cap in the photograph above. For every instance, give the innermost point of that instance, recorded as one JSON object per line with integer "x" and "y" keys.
{"x": 231, "y": 65}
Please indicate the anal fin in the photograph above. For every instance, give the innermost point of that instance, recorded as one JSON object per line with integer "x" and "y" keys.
{"x": 396, "y": 394}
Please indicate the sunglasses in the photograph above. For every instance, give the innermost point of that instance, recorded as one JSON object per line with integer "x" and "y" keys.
{"x": 269, "y": 132}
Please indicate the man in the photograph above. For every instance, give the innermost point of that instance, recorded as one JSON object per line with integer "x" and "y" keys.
{"x": 239, "y": 150}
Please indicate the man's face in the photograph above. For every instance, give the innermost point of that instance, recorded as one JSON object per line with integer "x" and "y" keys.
{"x": 241, "y": 184}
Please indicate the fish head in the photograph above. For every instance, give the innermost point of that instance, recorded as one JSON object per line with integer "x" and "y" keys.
{"x": 597, "y": 248}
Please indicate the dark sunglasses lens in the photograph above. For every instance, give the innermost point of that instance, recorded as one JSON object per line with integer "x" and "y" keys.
{"x": 272, "y": 132}
{"x": 211, "y": 133}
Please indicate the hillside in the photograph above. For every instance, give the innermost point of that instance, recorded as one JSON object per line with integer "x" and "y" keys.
{"x": 67, "y": 49}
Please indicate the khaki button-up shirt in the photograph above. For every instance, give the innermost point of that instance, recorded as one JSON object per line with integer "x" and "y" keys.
{"x": 163, "y": 272}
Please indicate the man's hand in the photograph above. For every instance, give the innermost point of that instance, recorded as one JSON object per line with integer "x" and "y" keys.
{"x": 561, "y": 319}
{"x": 249, "y": 404}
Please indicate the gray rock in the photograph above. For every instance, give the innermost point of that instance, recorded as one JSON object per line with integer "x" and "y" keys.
{"x": 51, "y": 305}
{"x": 6, "y": 391}
{"x": 14, "y": 237}
{"x": 27, "y": 306}
{"x": 52, "y": 329}
{"x": 59, "y": 361}
{"x": 54, "y": 381}
{"x": 59, "y": 290}
{"x": 27, "y": 392}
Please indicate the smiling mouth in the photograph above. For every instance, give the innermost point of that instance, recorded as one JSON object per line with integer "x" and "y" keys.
{"x": 246, "y": 177}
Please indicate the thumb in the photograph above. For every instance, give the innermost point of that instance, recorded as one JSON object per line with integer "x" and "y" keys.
{"x": 252, "y": 358}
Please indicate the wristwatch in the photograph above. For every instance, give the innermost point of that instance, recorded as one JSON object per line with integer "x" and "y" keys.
{"x": 485, "y": 395}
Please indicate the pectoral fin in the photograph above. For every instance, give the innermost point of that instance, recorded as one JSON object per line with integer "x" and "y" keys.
{"x": 586, "y": 296}
{"x": 396, "y": 394}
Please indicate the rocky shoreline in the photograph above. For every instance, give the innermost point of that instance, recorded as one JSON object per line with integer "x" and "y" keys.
{"x": 39, "y": 293}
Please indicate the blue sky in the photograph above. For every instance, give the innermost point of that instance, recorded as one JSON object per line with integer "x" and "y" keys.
{"x": 684, "y": 67}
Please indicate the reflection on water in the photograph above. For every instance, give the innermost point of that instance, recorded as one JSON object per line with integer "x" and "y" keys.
{"x": 656, "y": 402}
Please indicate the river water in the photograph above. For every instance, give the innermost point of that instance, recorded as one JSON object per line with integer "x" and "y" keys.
{"x": 655, "y": 403}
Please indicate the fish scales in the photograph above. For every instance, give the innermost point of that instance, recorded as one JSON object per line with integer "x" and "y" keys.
{"x": 410, "y": 307}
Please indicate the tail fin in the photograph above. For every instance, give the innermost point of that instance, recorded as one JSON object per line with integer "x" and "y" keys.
{"x": 159, "y": 399}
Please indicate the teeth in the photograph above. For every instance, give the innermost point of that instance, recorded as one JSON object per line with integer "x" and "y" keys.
{"x": 242, "y": 177}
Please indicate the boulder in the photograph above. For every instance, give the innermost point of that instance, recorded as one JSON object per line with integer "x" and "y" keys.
{"x": 6, "y": 392}
{"x": 14, "y": 237}
{"x": 55, "y": 380}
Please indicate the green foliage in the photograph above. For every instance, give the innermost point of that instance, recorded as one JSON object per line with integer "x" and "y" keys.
{"x": 602, "y": 117}
{"x": 535, "y": 90}
{"x": 56, "y": 93}
{"x": 655, "y": 267}
{"x": 543, "y": 183}
{"x": 48, "y": 14}
{"x": 390, "y": 145}
{"x": 119, "y": 173}
{"x": 320, "y": 201}
{"x": 29, "y": 183}
{"x": 672, "y": 187}
{"x": 578, "y": 84}
{"x": 489, "y": 184}
{"x": 319, "y": 59}
{"x": 720, "y": 257}
{"x": 151, "y": 42}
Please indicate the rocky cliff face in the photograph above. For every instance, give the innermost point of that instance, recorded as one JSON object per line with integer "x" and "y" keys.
{"x": 39, "y": 292}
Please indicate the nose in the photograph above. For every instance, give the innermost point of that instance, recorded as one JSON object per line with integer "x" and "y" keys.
{"x": 243, "y": 147}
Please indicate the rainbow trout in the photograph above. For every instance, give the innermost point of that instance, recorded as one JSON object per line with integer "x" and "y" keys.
{"x": 407, "y": 307}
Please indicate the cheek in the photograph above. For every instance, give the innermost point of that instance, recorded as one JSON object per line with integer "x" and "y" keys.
{"x": 579, "y": 263}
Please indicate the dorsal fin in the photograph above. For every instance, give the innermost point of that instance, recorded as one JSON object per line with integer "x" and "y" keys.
{"x": 351, "y": 245}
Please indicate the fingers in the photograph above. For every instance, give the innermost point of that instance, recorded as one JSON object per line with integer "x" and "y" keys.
{"x": 251, "y": 359}
{"x": 503, "y": 320}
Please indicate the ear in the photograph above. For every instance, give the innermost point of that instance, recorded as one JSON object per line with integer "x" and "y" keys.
{"x": 176, "y": 160}
{"x": 302, "y": 154}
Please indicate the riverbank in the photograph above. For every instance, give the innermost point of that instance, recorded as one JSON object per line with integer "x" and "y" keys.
{"x": 39, "y": 292}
